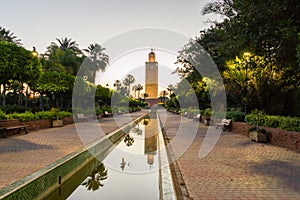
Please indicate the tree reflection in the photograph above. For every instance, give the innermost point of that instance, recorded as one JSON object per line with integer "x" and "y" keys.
{"x": 146, "y": 121}
{"x": 97, "y": 175}
{"x": 137, "y": 130}
{"x": 128, "y": 140}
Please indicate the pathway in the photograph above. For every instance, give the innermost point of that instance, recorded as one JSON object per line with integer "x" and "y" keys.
{"x": 237, "y": 168}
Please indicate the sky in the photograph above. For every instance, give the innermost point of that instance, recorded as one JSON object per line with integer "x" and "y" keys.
{"x": 39, "y": 22}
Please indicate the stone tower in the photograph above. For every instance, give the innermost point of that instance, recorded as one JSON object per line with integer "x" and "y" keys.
{"x": 151, "y": 76}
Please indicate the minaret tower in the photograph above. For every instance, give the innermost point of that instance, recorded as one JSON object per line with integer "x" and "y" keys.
{"x": 151, "y": 76}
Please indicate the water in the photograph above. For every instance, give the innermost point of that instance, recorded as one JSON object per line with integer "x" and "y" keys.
{"x": 129, "y": 171}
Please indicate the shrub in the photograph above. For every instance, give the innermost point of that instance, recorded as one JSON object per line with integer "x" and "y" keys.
{"x": 24, "y": 117}
{"x": 285, "y": 123}
{"x": 2, "y": 114}
{"x": 44, "y": 114}
{"x": 235, "y": 115}
{"x": 207, "y": 113}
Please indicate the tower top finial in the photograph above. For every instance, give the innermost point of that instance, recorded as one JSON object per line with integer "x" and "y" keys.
{"x": 152, "y": 55}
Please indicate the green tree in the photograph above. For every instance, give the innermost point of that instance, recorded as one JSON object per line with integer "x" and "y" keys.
{"x": 58, "y": 87}
{"x": 103, "y": 95}
{"x": 63, "y": 57}
{"x": 95, "y": 61}
{"x": 17, "y": 64}
{"x": 127, "y": 82}
{"x": 7, "y": 35}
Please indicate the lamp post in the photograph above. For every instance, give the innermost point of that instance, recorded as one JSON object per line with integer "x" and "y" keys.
{"x": 246, "y": 56}
{"x": 36, "y": 54}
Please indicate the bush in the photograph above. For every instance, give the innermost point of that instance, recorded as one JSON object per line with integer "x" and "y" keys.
{"x": 44, "y": 114}
{"x": 235, "y": 115}
{"x": 24, "y": 117}
{"x": 2, "y": 114}
{"x": 285, "y": 123}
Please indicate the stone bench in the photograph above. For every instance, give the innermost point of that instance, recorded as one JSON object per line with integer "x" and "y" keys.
{"x": 225, "y": 124}
{"x": 9, "y": 125}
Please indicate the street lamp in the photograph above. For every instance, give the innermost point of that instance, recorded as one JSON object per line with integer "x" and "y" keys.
{"x": 246, "y": 55}
{"x": 36, "y": 54}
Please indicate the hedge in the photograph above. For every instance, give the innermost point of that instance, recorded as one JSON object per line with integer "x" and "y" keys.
{"x": 285, "y": 123}
{"x": 29, "y": 116}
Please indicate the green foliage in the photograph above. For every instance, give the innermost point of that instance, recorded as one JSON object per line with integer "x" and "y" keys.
{"x": 55, "y": 83}
{"x": 285, "y": 123}
{"x": 2, "y": 115}
{"x": 254, "y": 128}
{"x": 44, "y": 114}
{"x": 207, "y": 113}
{"x": 235, "y": 115}
{"x": 18, "y": 64}
{"x": 24, "y": 117}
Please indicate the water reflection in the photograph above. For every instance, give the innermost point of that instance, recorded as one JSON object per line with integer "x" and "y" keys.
{"x": 132, "y": 164}
{"x": 128, "y": 140}
{"x": 95, "y": 178}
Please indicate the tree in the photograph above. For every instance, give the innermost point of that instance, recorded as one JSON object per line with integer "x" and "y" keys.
{"x": 64, "y": 44}
{"x": 117, "y": 84}
{"x": 17, "y": 64}
{"x": 6, "y": 35}
{"x": 95, "y": 61}
{"x": 128, "y": 81}
{"x": 139, "y": 87}
{"x": 58, "y": 87}
{"x": 103, "y": 95}
{"x": 63, "y": 57}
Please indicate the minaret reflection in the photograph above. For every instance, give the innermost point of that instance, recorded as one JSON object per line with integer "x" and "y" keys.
{"x": 151, "y": 139}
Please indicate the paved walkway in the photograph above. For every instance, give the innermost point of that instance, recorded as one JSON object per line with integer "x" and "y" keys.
{"x": 21, "y": 155}
{"x": 236, "y": 168}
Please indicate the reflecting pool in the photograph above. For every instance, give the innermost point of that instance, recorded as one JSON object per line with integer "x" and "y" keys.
{"x": 129, "y": 171}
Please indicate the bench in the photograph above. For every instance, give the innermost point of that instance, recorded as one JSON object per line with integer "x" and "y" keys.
{"x": 225, "y": 124}
{"x": 197, "y": 117}
{"x": 81, "y": 117}
{"x": 107, "y": 114}
{"x": 8, "y": 125}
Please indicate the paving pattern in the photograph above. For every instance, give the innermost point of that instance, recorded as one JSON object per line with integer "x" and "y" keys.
{"x": 236, "y": 168}
{"x": 21, "y": 155}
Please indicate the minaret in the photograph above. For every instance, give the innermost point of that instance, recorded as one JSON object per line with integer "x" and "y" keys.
{"x": 151, "y": 76}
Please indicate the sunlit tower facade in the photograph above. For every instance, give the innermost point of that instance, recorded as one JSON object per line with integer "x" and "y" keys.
{"x": 151, "y": 86}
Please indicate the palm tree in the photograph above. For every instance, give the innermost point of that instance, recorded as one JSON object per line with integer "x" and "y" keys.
{"x": 170, "y": 88}
{"x": 128, "y": 81}
{"x": 66, "y": 54}
{"x": 139, "y": 87}
{"x": 117, "y": 84}
{"x": 6, "y": 35}
{"x": 96, "y": 59}
{"x": 66, "y": 43}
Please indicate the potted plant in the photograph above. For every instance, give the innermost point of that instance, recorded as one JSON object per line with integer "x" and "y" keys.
{"x": 207, "y": 116}
{"x": 258, "y": 134}
{"x": 56, "y": 121}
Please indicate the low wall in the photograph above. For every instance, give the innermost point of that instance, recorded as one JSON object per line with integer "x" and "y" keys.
{"x": 278, "y": 137}
{"x": 37, "y": 124}
{"x": 32, "y": 125}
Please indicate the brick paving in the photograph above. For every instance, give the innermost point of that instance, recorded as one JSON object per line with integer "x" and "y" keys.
{"x": 21, "y": 155}
{"x": 236, "y": 168}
